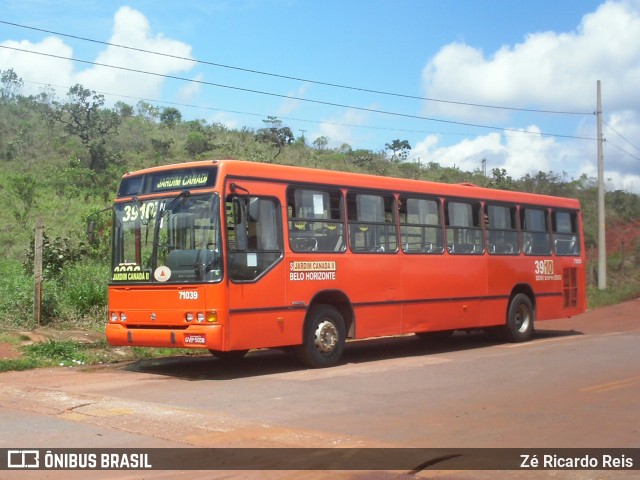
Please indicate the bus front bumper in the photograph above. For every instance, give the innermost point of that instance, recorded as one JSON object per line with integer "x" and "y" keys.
{"x": 209, "y": 336}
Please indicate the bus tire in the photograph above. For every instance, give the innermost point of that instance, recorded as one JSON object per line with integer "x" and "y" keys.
{"x": 230, "y": 355}
{"x": 323, "y": 337}
{"x": 520, "y": 319}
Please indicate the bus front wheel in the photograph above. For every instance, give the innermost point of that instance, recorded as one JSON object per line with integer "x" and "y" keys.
{"x": 520, "y": 319}
{"x": 323, "y": 337}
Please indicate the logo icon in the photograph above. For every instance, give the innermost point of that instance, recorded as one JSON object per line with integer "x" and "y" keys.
{"x": 23, "y": 459}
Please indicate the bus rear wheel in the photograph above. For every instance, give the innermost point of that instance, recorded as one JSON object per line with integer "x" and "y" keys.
{"x": 323, "y": 337}
{"x": 520, "y": 319}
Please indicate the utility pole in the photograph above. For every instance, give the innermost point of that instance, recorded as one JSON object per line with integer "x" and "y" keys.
{"x": 602, "y": 247}
{"x": 37, "y": 273}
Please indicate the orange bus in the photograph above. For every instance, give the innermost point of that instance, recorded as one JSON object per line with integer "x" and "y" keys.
{"x": 230, "y": 256}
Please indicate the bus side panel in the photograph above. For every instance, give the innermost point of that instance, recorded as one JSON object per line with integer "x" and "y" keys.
{"x": 372, "y": 284}
{"x": 265, "y": 329}
{"x": 443, "y": 292}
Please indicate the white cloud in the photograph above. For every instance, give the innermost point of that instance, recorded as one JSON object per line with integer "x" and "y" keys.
{"x": 131, "y": 28}
{"x": 191, "y": 90}
{"x": 39, "y": 68}
{"x": 550, "y": 71}
{"x": 337, "y": 129}
{"x": 289, "y": 105}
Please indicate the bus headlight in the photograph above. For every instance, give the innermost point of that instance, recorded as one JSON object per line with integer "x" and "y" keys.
{"x": 123, "y": 317}
{"x": 188, "y": 317}
{"x": 114, "y": 317}
{"x": 200, "y": 317}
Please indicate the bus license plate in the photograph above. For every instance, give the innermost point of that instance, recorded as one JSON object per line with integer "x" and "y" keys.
{"x": 195, "y": 339}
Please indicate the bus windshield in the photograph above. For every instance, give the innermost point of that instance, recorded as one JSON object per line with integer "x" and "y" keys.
{"x": 169, "y": 240}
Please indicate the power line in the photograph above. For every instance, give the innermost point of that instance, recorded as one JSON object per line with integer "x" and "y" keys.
{"x": 622, "y": 150}
{"x": 320, "y": 102}
{"x": 262, "y": 115}
{"x": 620, "y": 135}
{"x": 299, "y": 79}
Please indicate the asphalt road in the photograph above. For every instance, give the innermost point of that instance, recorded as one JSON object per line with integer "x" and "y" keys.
{"x": 577, "y": 384}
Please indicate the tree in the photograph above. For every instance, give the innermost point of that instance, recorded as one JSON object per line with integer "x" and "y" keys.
{"x": 11, "y": 85}
{"x": 276, "y": 134}
{"x": 502, "y": 180}
{"x": 170, "y": 117}
{"x": 161, "y": 148}
{"x": 196, "y": 144}
{"x": 84, "y": 117}
{"x": 124, "y": 109}
{"x": 400, "y": 149}
{"x": 321, "y": 143}
{"x": 147, "y": 111}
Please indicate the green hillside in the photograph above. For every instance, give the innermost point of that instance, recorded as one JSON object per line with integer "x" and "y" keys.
{"x": 61, "y": 159}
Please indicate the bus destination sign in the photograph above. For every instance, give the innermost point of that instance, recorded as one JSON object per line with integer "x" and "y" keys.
{"x": 176, "y": 179}
{"x": 180, "y": 180}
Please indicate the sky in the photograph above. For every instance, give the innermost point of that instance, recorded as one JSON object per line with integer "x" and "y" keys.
{"x": 509, "y": 82}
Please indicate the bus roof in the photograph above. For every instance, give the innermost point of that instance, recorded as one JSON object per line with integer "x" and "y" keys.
{"x": 305, "y": 175}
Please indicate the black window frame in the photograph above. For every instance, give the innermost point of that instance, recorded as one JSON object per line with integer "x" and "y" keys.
{"x": 371, "y": 231}
{"x": 265, "y": 259}
{"x": 535, "y": 241}
{"x": 565, "y": 243}
{"x": 426, "y": 246}
{"x": 303, "y": 236}
{"x": 463, "y": 246}
{"x": 502, "y": 240}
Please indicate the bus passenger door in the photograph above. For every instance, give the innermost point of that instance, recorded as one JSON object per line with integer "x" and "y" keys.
{"x": 255, "y": 268}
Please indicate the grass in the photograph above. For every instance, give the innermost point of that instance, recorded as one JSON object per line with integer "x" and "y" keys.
{"x": 70, "y": 353}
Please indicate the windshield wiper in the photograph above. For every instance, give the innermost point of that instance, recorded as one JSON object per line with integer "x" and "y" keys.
{"x": 175, "y": 203}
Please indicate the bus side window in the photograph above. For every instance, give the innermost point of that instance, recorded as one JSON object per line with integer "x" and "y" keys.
{"x": 565, "y": 233}
{"x": 420, "y": 225}
{"x": 464, "y": 231}
{"x": 254, "y": 236}
{"x": 502, "y": 230}
{"x": 535, "y": 231}
{"x": 372, "y": 227}
{"x": 316, "y": 220}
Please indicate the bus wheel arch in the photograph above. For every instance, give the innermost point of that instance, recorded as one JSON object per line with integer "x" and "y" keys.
{"x": 340, "y": 302}
{"x": 326, "y": 324}
{"x": 520, "y": 316}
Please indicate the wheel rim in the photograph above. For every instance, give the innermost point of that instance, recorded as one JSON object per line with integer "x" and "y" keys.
{"x": 326, "y": 337}
{"x": 523, "y": 318}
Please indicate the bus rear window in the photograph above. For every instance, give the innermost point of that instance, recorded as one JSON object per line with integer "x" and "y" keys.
{"x": 565, "y": 233}
{"x": 535, "y": 232}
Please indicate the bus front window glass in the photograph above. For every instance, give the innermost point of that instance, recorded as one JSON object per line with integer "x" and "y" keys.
{"x": 167, "y": 240}
{"x": 464, "y": 232}
{"x": 502, "y": 233}
{"x": 420, "y": 226}
{"x": 372, "y": 227}
{"x": 535, "y": 236}
{"x": 565, "y": 233}
{"x": 254, "y": 236}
